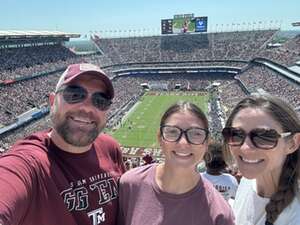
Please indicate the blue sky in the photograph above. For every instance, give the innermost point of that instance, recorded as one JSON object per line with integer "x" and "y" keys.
{"x": 83, "y": 16}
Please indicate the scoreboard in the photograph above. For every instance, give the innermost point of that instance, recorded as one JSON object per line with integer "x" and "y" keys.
{"x": 201, "y": 24}
{"x": 166, "y": 26}
{"x": 185, "y": 23}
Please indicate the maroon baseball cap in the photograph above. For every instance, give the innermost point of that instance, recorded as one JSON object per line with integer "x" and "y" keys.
{"x": 75, "y": 70}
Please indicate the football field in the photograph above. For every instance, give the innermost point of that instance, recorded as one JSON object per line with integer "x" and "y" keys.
{"x": 139, "y": 127}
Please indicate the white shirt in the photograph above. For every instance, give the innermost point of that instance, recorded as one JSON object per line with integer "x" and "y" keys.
{"x": 249, "y": 207}
{"x": 225, "y": 183}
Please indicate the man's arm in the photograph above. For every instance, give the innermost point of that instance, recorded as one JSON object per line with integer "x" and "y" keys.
{"x": 15, "y": 188}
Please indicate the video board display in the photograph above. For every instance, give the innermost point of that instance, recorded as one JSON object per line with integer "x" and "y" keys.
{"x": 184, "y": 23}
{"x": 201, "y": 24}
{"x": 167, "y": 26}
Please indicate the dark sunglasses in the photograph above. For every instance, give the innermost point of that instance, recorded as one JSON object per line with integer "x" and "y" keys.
{"x": 260, "y": 137}
{"x": 75, "y": 94}
{"x": 193, "y": 135}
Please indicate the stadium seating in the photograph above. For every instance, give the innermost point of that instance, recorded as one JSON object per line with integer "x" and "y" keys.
{"x": 159, "y": 51}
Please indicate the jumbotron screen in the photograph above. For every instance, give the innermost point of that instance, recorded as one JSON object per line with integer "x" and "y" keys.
{"x": 185, "y": 23}
{"x": 201, "y": 24}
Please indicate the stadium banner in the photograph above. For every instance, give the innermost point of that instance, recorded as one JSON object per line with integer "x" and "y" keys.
{"x": 140, "y": 152}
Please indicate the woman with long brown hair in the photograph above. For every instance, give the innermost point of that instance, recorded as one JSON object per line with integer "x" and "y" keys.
{"x": 263, "y": 135}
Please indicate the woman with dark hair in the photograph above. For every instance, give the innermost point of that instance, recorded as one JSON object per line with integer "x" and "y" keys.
{"x": 216, "y": 172}
{"x": 173, "y": 192}
{"x": 263, "y": 135}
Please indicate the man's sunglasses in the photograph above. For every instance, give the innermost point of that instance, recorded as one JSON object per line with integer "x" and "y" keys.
{"x": 260, "y": 137}
{"x": 75, "y": 94}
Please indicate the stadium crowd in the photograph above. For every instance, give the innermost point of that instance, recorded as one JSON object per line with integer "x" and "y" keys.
{"x": 213, "y": 46}
{"x": 24, "y": 61}
{"x": 19, "y": 97}
{"x": 286, "y": 55}
{"x": 261, "y": 78}
{"x": 18, "y": 63}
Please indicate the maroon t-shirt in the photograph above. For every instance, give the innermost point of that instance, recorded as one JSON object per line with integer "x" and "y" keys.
{"x": 42, "y": 185}
{"x": 142, "y": 202}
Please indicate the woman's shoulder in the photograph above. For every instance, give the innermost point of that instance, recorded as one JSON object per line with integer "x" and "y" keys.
{"x": 247, "y": 189}
{"x": 290, "y": 214}
{"x": 295, "y": 205}
{"x": 137, "y": 174}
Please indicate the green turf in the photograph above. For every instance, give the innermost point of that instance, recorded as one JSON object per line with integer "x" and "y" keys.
{"x": 140, "y": 127}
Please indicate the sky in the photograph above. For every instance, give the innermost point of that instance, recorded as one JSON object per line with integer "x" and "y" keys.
{"x": 105, "y": 16}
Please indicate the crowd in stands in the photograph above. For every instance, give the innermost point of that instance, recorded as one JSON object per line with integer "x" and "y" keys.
{"x": 28, "y": 61}
{"x": 230, "y": 94}
{"x": 101, "y": 60}
{"x": 22, "y": 72}
{"x": 213, "y": 46}
{"x": 7, "y": 140}
{"x": 261, "y": 78}
{"x": 287, "y": 54}
{"x": 127, "y": 91}
{"x": 13, "y": 58}
{"x": 224, "y": 98}
{"x": 22, "y": 96}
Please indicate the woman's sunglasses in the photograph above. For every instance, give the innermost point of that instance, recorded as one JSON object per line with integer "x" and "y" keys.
{"x": 260, "y": 137}
{"x": 75, "y": 94}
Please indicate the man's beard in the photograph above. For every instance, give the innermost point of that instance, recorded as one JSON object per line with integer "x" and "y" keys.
{"x": 75, "y": 135}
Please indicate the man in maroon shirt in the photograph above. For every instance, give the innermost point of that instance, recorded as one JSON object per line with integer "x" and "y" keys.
{"x": 68, "y": 174}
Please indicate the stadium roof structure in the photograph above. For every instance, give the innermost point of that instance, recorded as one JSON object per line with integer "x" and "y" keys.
{"x": 16, "y": 34}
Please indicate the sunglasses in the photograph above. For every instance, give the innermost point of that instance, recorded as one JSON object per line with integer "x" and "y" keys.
{"x": 260, "y": 137}
{"x": 193, "y": 135}
{"x": 75, "y": 94}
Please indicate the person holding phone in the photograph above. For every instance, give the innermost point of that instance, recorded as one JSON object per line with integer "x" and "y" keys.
{"x": 69, "y": 173}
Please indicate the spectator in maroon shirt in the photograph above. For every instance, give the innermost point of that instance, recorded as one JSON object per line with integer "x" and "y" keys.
{"x": 68, "y": 174}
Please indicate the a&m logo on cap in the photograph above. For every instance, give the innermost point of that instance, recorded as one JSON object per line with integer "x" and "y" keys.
{"x": 86, "y": 66}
